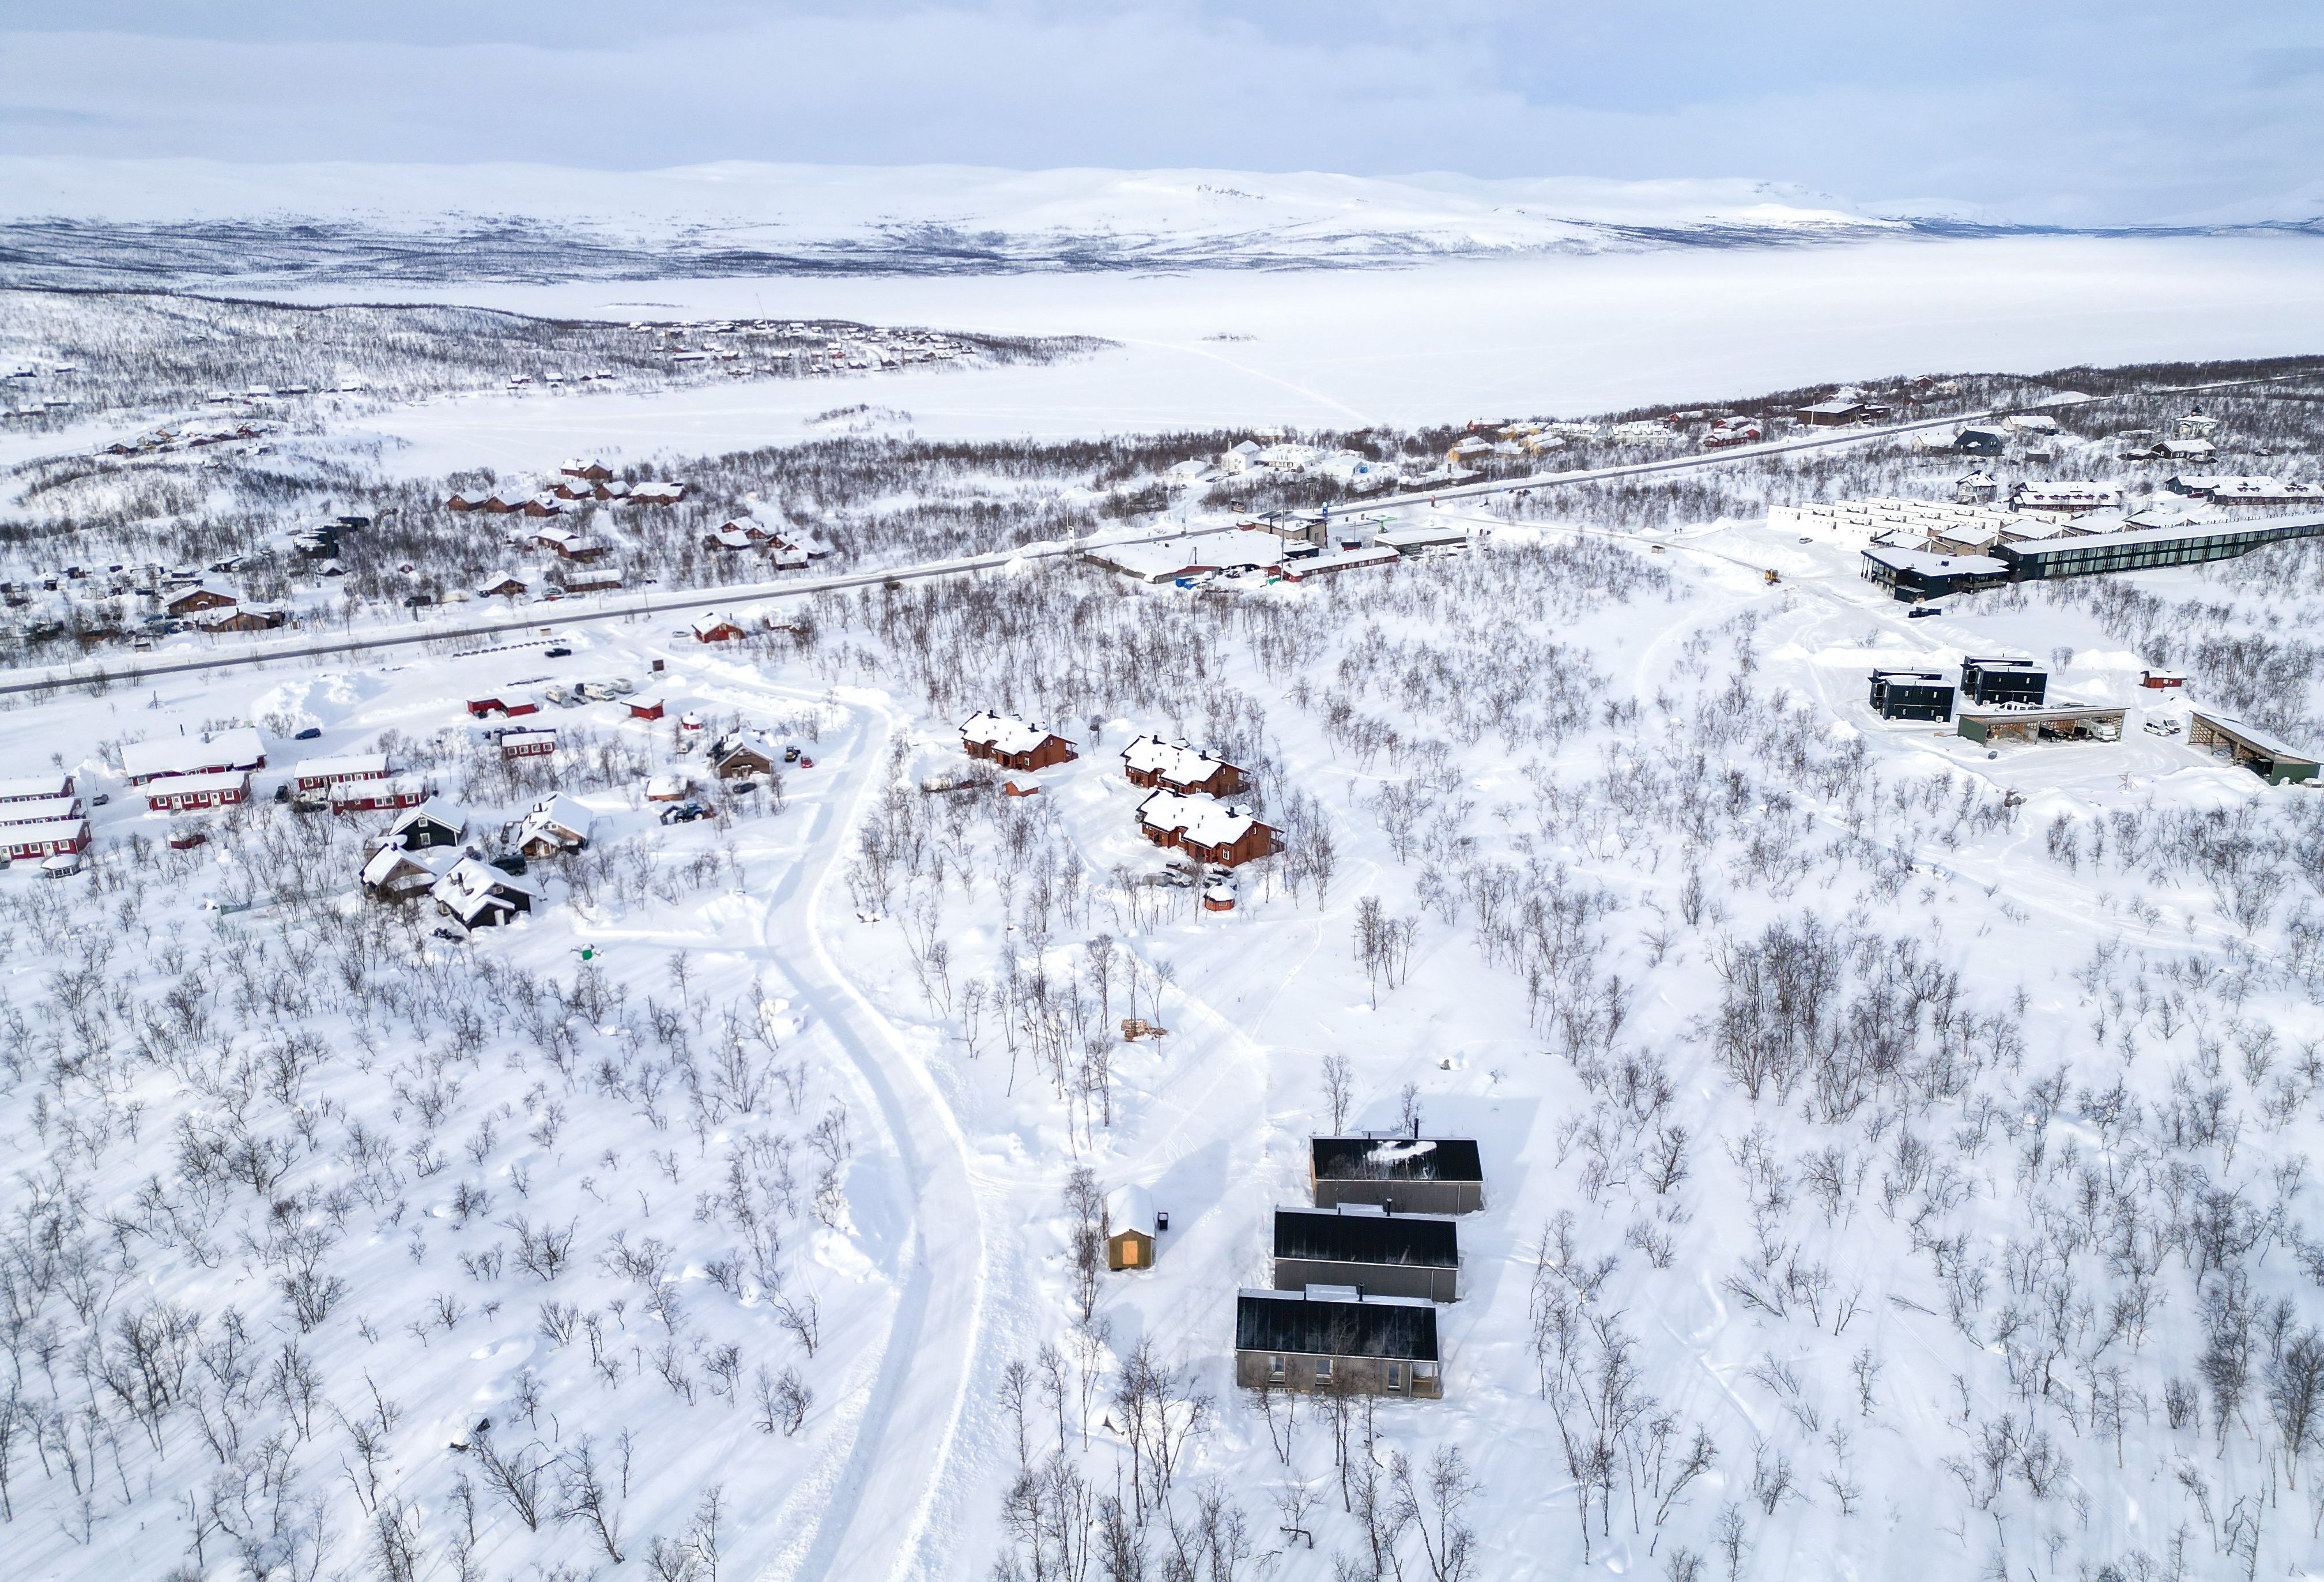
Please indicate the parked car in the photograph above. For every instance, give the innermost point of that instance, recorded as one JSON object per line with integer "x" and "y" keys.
{"x": 559, "y": 651}
{"x": 510, "y": 862}
{"x": 1921, "y": 613}
{"x": 806, "y": 763}
{"x": 308, "y": 735}
{"x": 99, "y": 799}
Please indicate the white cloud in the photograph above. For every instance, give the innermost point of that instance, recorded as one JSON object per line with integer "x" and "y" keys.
{"x": 2071, "y": 114}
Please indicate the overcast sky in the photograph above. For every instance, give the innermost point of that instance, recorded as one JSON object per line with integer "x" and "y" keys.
{"x": 2064, "y": 111}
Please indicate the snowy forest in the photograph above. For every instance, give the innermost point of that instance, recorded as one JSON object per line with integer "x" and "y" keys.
{"x": 1897, "y": 1156}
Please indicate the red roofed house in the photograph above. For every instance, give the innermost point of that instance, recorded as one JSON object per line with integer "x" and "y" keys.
{"x": 1012, "y": 742}
{"x": 717, "y": 629}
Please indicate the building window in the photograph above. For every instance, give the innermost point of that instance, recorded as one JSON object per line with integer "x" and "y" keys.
{"x": 1322, "y": 1370}
{"x": 1395, "y": 1378}
{"x": 1275, "y": 1370}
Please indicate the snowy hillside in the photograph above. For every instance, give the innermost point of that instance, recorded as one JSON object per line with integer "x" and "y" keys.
{"x": 104, "y": 219}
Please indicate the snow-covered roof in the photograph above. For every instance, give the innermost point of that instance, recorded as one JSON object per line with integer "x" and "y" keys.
{"x": 559, "y": 811}
{"x": 44, "y": 832}
{"x": 2090, "y": 495}
{"x": 2283, "y": 525}
{"x": 195, "y": 785}
{"x": 2274, "y": 747}
{"x": 390, "y": 860}
{"x": 239, "y": 748}
{"x": 1209, "y": 551}
{"x": 712, "y": 623}
{"x": 743, "y": 741}
{"x": 358, "y": 791}
{"x": 1129, "y": 1209}
{"x": 39, "y": 809}
{"x": 348, "y": 767}
{"x": 27, "y": 786}
{"x": 1946, "y": 565}
{"x": 527, "y": 739}
{"x": 1196, "y": 819}
{"x": 434, "y": 811}
{"x": 1002, "y": 733}
{"x": 1172, "y": 761}
{"x": 1422, "y": 535}
{"x": 470, "y": 880}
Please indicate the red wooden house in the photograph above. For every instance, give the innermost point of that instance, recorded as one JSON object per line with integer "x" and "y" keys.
{"x": 1159, "y": 765}
{"x": 48, "y": 838}
{"x": 181, "y": 793}
{"x": 1205, "y": 830}
{"x": 1013, "y": 743}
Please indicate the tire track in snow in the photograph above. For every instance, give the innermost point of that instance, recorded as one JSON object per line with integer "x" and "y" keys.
{"x": 907, "y": 1435}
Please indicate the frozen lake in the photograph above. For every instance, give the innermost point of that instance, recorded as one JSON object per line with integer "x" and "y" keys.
{"x": 1435, "y": 343}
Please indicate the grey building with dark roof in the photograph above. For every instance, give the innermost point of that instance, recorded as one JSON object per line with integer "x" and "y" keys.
{"x": 1365, "y": 1247}
{"x": 1332, "y": 1339}
{"x": 1407, "y": 1175}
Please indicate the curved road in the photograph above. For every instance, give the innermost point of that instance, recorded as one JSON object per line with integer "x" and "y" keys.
{"x": 884, "y": 1506}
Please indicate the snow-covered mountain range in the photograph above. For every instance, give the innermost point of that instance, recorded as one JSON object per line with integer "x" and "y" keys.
{"x": 163, "y": 218}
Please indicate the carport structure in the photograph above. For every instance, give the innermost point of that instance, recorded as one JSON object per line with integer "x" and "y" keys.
{"x": 2065, "y": 723}
{"x": 2271, "y": 758}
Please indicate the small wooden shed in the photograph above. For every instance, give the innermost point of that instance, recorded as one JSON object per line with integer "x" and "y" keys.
{"x": 1130, "y": 1227}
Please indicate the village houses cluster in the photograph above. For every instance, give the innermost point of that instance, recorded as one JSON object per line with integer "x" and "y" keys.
{"x": 1359, "y": 1273}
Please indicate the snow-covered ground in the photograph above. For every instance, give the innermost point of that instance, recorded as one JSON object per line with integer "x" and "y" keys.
{"x": 1619, "y": 774}
{"x": 1917, "y": 1131}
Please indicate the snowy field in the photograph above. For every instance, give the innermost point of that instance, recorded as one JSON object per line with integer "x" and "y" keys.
{"x": 1473, "y": 337}
{"x": 1904, "y": 1139}
{"x": 1897, "y": 1151}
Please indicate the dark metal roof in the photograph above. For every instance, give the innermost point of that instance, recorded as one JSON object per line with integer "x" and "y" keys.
{"x": 1397, "y": 1159}
{"x": 1291, "y": 1321}
{"x": 1323, "y": 1233}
